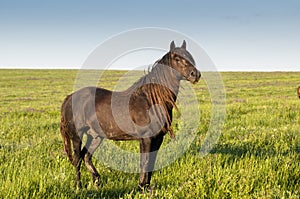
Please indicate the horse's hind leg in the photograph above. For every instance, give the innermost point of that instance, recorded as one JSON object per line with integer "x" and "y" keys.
{"x": 91, "y": 145}
{"x": 77, "y": 158}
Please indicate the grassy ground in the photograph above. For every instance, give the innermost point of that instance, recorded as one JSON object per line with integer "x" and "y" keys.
{"x": 257, "y": 156}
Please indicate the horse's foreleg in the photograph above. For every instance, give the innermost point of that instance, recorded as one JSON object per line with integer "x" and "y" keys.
{"x": 145, "y": 148}
{"x": 148, "y": 152}
{"x": 91, "y": 145}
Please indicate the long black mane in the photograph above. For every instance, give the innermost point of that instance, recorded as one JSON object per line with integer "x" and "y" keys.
{"x": 159, "y": 89}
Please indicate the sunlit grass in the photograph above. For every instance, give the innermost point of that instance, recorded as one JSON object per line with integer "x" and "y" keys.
{"x": 257, "y": 156}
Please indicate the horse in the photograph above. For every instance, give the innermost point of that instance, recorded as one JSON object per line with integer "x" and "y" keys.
{"x": 142, "y": 112}
{"x": 298, "y": 91}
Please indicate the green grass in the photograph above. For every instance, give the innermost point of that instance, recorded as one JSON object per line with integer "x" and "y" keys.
{"x": 257, "y": 155}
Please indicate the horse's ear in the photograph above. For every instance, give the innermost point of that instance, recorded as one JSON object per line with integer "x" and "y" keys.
{"x": 172, "y": 46}
{"x": 183, "y": 44}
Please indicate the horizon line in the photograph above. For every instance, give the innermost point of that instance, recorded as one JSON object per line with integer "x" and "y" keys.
{"x": 128, "y": 69}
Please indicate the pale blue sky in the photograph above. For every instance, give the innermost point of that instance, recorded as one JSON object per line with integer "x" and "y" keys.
{"x": 238, "y": 35}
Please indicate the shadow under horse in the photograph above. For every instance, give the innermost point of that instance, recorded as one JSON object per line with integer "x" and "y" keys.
{"x": 143, "y": 112}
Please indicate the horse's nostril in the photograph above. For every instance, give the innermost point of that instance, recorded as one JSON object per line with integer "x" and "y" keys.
{"x": 192, "y": 73}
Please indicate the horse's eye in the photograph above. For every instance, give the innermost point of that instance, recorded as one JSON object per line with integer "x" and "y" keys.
{"x": 177, "y": 60}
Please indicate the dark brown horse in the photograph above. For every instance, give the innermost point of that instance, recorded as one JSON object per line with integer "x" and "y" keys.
{"x": 298, "y": 91}
{"x": 142, "y": 112}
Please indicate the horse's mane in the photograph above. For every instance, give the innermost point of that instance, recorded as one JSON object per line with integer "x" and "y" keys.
{"x": 160, "y": 87}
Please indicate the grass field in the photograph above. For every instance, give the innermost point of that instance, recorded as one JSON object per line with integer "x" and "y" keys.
{"x": 257, "y": 156}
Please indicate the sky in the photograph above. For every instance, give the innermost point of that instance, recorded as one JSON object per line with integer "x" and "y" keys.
{"x": 238, "y": 35}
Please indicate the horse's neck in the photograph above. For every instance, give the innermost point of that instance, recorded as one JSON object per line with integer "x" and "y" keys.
{"x": 174, "y": 89}
{"x": 160, "y": 82}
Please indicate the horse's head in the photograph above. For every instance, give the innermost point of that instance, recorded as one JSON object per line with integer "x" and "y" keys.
{"x": 183, "y": 62}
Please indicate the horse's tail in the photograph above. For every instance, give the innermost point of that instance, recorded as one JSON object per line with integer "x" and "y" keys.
{"x": 65, "y": 130}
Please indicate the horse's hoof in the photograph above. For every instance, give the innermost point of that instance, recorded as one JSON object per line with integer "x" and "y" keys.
{"x": 79, "y": 185}
{"x": 97, "y": 182}
{"x": 145, "y": 189}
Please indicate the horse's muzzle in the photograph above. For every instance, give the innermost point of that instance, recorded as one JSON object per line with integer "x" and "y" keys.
{"x": 194, "y": 76}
